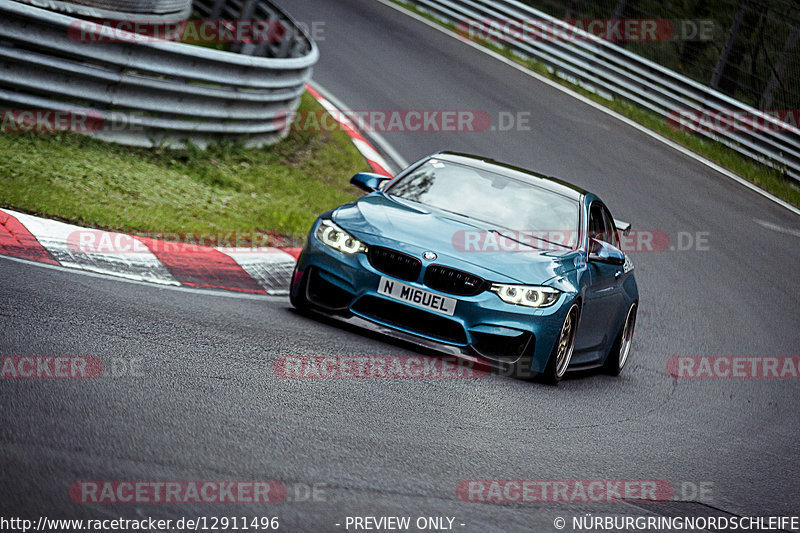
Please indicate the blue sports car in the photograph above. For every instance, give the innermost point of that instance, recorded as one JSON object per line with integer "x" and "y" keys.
{"x": 499, "y": 264}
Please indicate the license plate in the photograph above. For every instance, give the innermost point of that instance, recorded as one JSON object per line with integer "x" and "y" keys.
{"x": 417, "y": 297}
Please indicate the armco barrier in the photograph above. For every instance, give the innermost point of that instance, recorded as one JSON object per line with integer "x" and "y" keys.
{"x": 154, "y": 10}
{"x": 148, "y": 92}
{"x": 603, "y": 66}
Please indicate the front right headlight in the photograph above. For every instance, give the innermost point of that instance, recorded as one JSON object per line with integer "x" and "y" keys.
{"x": 332, "y": 235}
{"x": 527, "y": 295}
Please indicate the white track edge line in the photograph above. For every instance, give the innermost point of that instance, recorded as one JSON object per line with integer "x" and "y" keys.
{"x": 398, "y": 160}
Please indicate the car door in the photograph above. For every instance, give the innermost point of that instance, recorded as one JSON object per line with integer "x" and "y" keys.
{"x": 604, "y": 296}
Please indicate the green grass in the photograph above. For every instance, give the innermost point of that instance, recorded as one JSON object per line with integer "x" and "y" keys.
{"x": 277, "y": 190}
{"x": 766, "y": 177}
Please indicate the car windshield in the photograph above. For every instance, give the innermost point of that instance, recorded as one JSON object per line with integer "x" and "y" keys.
{"x": 499, "y": 201}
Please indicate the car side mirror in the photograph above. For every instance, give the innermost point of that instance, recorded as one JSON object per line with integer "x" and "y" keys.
{"x": 602, "y": 252}
{"x": 623, "y": 227}
{"x": 368, "y": 181}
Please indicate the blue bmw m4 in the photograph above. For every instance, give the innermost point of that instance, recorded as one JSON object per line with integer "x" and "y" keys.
{"x": 502, "y": 265}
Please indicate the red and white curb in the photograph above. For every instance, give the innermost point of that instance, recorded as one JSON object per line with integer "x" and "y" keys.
{"x": 252, "y": 270}
{"x": 249, "y": 270}
{"x": 375, "y": 160}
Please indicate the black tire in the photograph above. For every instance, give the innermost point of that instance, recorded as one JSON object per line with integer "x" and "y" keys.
{"x": 620, "y": 351}
{"x": 562, "y": 349}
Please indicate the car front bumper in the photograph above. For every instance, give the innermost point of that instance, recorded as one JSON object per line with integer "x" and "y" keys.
{"x": 482, "y": 326}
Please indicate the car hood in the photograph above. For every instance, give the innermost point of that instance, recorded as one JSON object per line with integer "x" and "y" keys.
{"x": 414, "y": 228}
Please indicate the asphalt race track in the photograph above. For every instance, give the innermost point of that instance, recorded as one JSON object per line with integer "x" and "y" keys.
{"x": 195, "y": 396}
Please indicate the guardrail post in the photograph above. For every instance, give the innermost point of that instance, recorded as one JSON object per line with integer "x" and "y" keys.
{"x": 733, "y": 33}
{"x": 777, "y": 73}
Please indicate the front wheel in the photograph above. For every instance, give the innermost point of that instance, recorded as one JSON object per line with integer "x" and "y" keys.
{"x": 563, "y": 348}
{"x": 622, "y": 346}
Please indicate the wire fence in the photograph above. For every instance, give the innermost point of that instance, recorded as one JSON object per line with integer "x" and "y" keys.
{"x": 752, "y": 52}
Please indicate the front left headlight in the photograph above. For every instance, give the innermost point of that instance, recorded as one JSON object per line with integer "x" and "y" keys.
{"x": 527, "y": 295}
{"x": 332, "y": 235}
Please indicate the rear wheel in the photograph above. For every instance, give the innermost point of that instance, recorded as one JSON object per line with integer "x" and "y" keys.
{"x": 622, "y": 346}
{"x": 563, "y": 348}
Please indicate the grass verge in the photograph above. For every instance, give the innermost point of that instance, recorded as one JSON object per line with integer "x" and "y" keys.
{"x": 277, "y": 191}
{"x": 768, "y": 178}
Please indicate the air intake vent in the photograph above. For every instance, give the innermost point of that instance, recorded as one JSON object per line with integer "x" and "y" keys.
{"x": 453, "y": 281}
{"x": 395, "y": 264}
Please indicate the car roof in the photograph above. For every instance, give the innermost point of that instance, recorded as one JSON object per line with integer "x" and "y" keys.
{"x": 546, "y": 182}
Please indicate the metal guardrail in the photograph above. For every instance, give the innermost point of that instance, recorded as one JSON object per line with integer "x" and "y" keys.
{"x": 150, "y": 92}
{"x": 138, "y": 6}
{"x": 602, "y": 66}
{"x": 154, "y": 10}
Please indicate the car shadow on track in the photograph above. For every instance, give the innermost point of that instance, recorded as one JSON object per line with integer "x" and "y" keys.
{"x": 407, "y": 342}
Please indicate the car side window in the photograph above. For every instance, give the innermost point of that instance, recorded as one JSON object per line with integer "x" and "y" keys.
{"x": 611, "y": 238}
{"x": 597, "y": 224}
